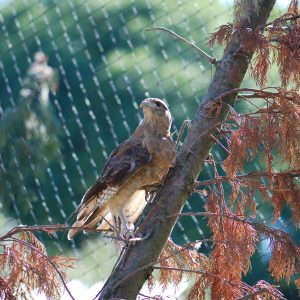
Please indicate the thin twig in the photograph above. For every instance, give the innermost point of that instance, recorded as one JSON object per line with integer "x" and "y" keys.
{"x": 252, "y": 96}
{"x": 253, "y": 175}
{"x": 57, "y": 227}
{"x": 219, "y": 143}
{"x": 257, "y": 93}
{"x": 148, "y": 297}
{"x": 116, "y": 231}
{"x": 206, "y": 132}
{"x": 259, "y": 291}
{"x": 211, "y": 214}
{"x": 245, "y": 97}
{"x": 263, "y": 93}
{"x": 186, "y": 123}
{"x": 197, "y": 272}
{"x": 211, "y": 59}
{"x": 259, "y": 226}
{"x": 293, "y": 18}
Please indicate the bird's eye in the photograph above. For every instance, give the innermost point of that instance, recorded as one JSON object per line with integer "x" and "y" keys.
{"x": 158, "y": 104}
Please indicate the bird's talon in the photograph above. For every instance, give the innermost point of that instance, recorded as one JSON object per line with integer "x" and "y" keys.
{"x": 134, "y": 240}
{"x": 129, "y": 235}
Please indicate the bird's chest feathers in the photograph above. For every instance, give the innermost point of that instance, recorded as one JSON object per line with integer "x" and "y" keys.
{"x": 162, "y": 152}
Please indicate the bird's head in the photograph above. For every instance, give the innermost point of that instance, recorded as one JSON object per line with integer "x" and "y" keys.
{"x": 157, "y": 115}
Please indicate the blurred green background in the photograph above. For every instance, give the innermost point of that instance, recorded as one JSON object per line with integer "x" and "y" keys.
{"x": 106, "y": 64}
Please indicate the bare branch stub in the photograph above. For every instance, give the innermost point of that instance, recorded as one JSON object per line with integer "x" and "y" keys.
{"x": 210, "y": 59}
{"x": 186, "y": 123}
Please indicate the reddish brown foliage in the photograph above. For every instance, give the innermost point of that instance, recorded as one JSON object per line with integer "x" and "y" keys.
{"x": 284, "y": 34}
{"x": 293, "y": 7}
{"x": 263, "y": 290}
{"x": 275, "y": 127}
{"x": 285, "y": 259}
{"x": 5, "y": 290}
{"x": 167, "y": 277}
{"x": 26, "y": 267}
{"x": 221, "y": 35}
{"x": 281, "y": 37}
{"x": 234, "y": 244}
{"x": 176, "y": 260}
{"x": 235, "y": 238}
{"x": 151, "y": 283}
{"x": 228, "y": 228}
{"x": 297, "y": 283}
{"x": 261, "y": 60}
{"x": 288, "y": 54}
{"x": 286, "y": 191}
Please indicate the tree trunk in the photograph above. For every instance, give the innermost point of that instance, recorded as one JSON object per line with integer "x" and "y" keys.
{"x": 135, "y": 265}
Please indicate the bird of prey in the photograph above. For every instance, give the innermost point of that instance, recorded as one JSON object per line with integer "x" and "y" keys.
{"x": 118, "y": 196}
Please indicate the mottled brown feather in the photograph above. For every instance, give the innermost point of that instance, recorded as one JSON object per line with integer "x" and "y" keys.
{"x": 119, "y": 167}
{"x": 125, "y": 160}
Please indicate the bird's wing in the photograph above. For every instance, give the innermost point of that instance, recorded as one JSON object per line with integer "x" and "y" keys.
{"x": 127, "y": 159}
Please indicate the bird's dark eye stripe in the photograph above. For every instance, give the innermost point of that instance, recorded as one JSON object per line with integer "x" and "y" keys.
{"x": 160, "y": 105}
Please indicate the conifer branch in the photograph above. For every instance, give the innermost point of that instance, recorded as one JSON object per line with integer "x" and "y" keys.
{"x": 254, "y": 294}
{"x": 59, "y": 273}
{"x": 20, "y": 258}
{"x": 55, "y": 228}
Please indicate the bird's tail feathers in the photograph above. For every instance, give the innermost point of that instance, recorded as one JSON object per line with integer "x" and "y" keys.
{"x": 83, "y": 208}
{"x": 96, "y": 216}
{"x": 106, "y": 223}
{"x": 89, "y": 218}
{"x": 73, "y": 231}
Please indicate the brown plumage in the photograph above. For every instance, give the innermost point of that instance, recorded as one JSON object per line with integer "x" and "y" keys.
{"x": 118, "y": 197}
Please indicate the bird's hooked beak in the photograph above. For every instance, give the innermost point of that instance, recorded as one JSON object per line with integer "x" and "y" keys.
{"x": 147, "y": 103}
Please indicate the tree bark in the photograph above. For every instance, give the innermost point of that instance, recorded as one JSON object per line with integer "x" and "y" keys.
{"x": 135, "y": 265}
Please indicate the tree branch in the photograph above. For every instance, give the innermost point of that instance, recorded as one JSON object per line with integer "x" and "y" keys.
{"x": 211, "y": 59}
{"x": 292, "y": 18}
{"x": 195, "y": 272}
{"x": 251, "y": 175}
{"x": 258, "y": 292}
{"x": 179, "y": 183}
{"x": 58, "y": 227}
